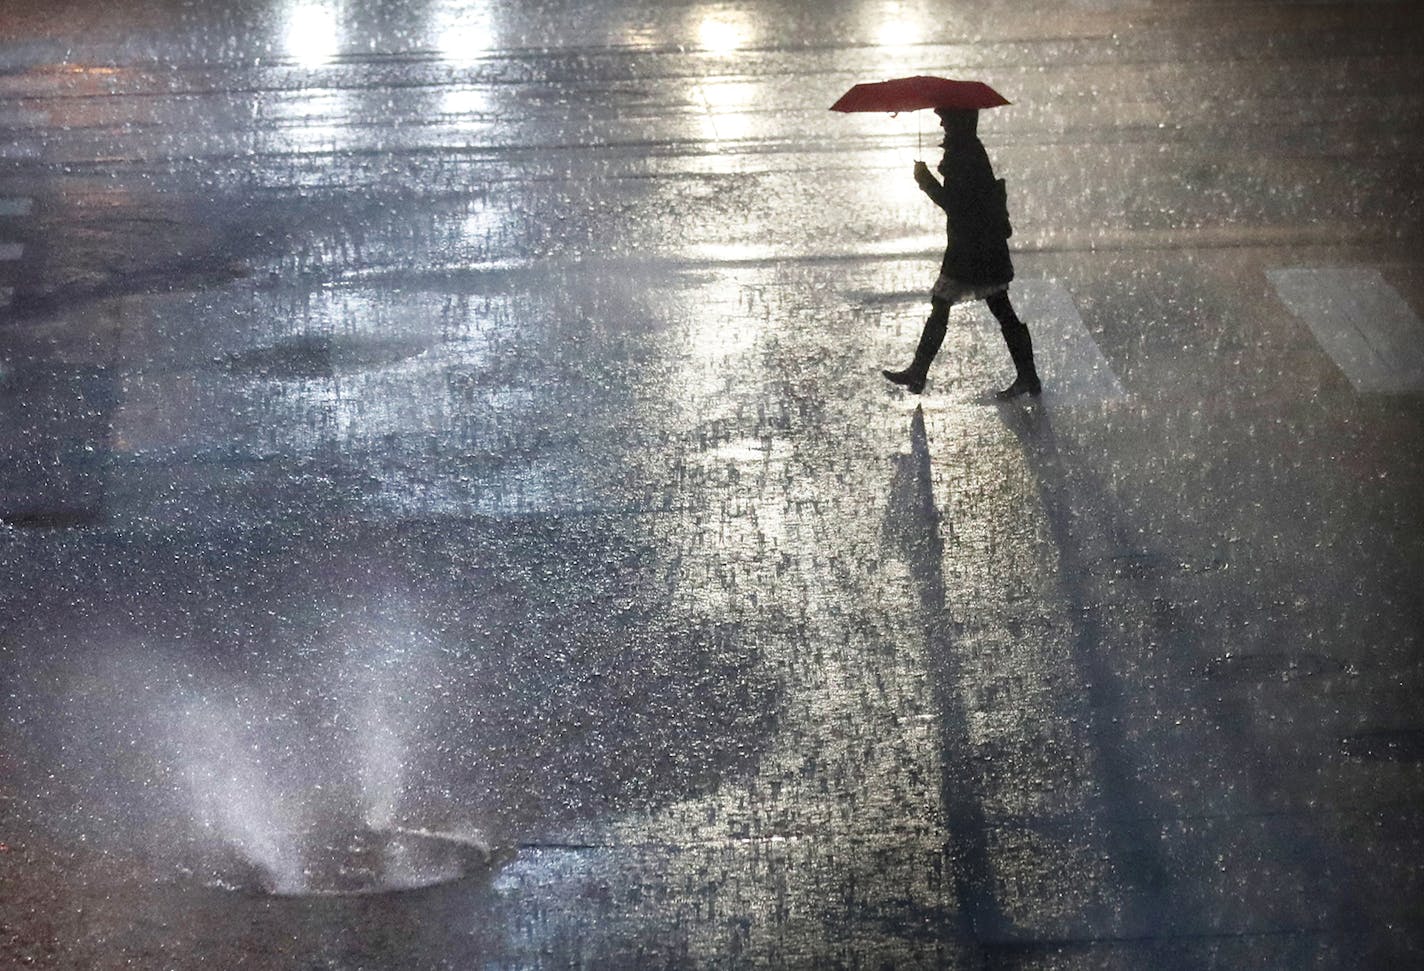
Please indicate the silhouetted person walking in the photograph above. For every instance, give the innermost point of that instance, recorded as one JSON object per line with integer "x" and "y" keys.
{"x": 976, "y": 263}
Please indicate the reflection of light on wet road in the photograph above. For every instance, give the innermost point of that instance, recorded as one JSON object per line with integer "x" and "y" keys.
{"x": 724, "y": 32}
{"x": 897, "y": 187}
{"x": 464, "y": 101}
{"x": 640, "y": 38}
{"x": 721, "y": 329}
{"x": 311, "y": 33}
{"x": 729, "y": 105}
{"x": 311, "y": 121}
{"x": 463, "y": 32}
{"x": 896, "y": 27}
{"x": 726, "y": 100}
{"x": 480, "y": 230}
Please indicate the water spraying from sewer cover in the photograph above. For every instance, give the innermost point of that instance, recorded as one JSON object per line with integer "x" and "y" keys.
{"x": 298, "y": 830}
{"x": 375, "y": 861}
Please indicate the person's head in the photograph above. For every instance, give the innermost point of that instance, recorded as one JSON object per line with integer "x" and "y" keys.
{"x": 958, "y": 121}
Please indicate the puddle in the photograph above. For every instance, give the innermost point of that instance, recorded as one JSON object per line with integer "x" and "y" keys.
{"x": 320, "y": 356}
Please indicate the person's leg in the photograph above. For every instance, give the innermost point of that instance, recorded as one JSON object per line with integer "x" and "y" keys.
{"x": 1016, "y": 336}
{"x": 913, "y": 377}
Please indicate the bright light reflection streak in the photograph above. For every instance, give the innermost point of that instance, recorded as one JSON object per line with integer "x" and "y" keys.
{"x": 891, "y": 25}
{"x": 312, "y": 33}
{"x": 724, "y": 32}
{"x": 728, "y": 104}
{"x": 641, "y": 38}
{"x": 464, "y": 101}
{"x": 464, "y": 32}
{"x": 897, "y": 33}
{"x": 312, "y": 121}
{"x": 722, "y": 329}
{"x": 900, "y": 196}
{"x": 481, "y": 235}
{"x": 719, "y": 335}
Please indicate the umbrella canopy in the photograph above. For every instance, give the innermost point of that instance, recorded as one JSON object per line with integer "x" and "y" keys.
{"x": 922, "y": 91}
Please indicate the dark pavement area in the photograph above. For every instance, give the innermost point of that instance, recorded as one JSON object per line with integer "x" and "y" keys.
{"x": 460, "y": 421}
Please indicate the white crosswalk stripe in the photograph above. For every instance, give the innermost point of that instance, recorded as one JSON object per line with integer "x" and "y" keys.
{"x": 1367, "y": 328}
{"x": 11, "y": 251}
{"x": 1073, "y": 368}
{"x": 6, "y": 295}
{"x": 16, "y": 206}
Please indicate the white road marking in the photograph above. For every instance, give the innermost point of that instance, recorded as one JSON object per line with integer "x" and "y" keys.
{"x": 1366, "y": 327}
{"x": 1073, "y": 368}
{"x": 9, "y": 149}
{"x": 11, "y": 251}
{"x": 6, "y": 294}
{"x": 16, "y": 207}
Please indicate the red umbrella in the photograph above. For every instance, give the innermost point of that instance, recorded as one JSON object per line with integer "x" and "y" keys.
{"x": 923, "y": 91}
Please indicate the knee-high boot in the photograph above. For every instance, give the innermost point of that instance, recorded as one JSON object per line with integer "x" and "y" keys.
{"x": 1020, "y": 346}
{"x": 913, "y": 377}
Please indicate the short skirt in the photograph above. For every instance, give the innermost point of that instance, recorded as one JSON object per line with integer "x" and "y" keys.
{"x": 952, "y": 291}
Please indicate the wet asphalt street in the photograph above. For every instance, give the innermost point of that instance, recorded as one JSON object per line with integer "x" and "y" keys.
{"x": 461, "y": 419}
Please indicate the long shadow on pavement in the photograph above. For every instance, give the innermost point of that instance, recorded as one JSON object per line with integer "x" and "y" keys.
{"x": 1175, "y": 901}
{"x": 912, "y": 527}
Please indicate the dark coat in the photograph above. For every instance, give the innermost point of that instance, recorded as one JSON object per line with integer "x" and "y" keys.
{"x": 976, "y": 214}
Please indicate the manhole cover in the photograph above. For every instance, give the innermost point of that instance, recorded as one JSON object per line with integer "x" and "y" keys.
{"x": 366, "y": 861}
